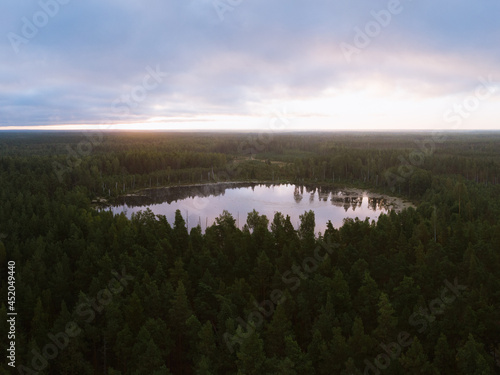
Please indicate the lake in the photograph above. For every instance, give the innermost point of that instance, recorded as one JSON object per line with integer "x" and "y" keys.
{"x": 201, "y": 204}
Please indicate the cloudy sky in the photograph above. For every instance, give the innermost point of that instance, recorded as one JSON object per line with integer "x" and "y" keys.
{"x": 250, "y": 64}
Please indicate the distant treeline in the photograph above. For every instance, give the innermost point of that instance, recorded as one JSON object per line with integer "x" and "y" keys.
{"x": 415, "y": 293}
{"x": 109, "y": 164}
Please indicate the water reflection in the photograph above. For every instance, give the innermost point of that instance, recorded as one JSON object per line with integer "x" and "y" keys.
{"x": 298, "y": 193}
{"x": 201, "y": 204}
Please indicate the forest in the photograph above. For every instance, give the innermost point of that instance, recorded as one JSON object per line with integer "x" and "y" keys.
{"x": 417, "y": 292}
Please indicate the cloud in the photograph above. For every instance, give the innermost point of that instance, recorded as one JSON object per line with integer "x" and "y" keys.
{"x": 90, "y": 54}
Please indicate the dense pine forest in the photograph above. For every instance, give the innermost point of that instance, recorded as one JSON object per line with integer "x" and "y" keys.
{"x": 417, "y": 292}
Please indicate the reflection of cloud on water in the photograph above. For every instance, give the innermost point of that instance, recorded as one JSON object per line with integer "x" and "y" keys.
{"x": 203, "y": 203}
{"x": 199, "y": 203}
{"x": 178, "y": 193}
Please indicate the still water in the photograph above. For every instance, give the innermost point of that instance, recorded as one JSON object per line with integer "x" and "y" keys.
{"x": 200, "y": 205}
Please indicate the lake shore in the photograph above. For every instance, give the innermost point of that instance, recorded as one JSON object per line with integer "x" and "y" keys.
{"x": 392, "y": 202}
{"x": 395, "y": 203}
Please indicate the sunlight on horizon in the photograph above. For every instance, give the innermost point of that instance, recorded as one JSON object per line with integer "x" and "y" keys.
{"x": 376, "y": 106}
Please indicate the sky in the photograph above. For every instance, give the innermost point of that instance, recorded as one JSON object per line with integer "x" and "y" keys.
{"x": 280, "y": 65}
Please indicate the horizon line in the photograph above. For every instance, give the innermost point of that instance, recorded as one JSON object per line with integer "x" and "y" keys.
{"x": 228, "y": 131}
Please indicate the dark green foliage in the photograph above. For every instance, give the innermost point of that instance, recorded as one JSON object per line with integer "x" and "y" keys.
{"x": 206, "y": 303}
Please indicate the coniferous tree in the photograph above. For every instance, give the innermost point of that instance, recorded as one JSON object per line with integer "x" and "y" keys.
{"x": 251, "y": 357}
{"x": 415, "y": 361}
{"x": 471, "y": 359}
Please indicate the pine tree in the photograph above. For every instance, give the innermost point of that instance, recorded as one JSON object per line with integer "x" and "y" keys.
{"x": 161, "y": 335}
{"x": 193, "y": 327}
{"x": 251, "y": 357}
{"x": 134, "y": 313}
{"x": 301, "y": 364}
{"x": 178, "y": 316}
{"x": 366, "y": 301}
{"x": 351, "y": 368}
{"x": 341, "y": 295}
{"x": 179, "y": 274}
{"x": 327, "y": 319}
{"x": 39, "y": 323}
{"x": 140, "y": 345}
{"x": 180, "y": 310}
{"x": 206, "y": 340}
{"x": 152, "y": 358}
{"x": 204, "y": 366}
{"x": 415, "y": 361}
{"x": 471, "y": 359}
{"x": 359, "y": 343}
{"x": 277, "y": 330}
{"x": 319, "y": 353}
{"x": 123, "y": 347}
{"x": 387, "y": 322}
{"x": 262, "y": 275}
{"x": 338, "y": 352}
{"x": 444, "y": 358}
{"x": 180, "y": 235}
